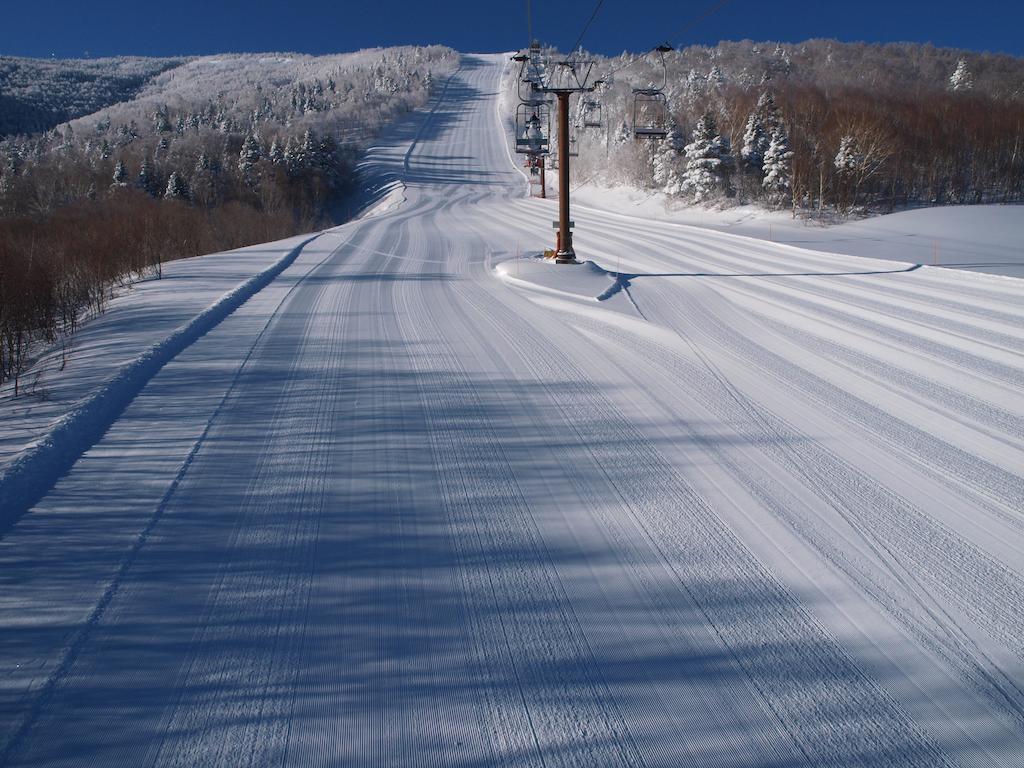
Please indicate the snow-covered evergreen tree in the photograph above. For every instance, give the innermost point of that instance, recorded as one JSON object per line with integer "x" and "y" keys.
{"x": 276, "y": 153}
{"x": 327, "y": 160}
{"x": 147, "y": 178}
{"x": 120, "y": 178}
{"x": 249, "y": 158}
{"x": 961, "y": 79}
{"x": 176, "y": 188}
{"x": 204, "y": 181}
{"x": 292, "y": 156}
{"x": 755, "y": 141}
{"x": 848, "y": 157}
{"x": 704, "y": 175}
{"x": 308, "y": 149}
{"x": 675, "y": 137}
{"x": 161, "y": 123}
{"x": 757, "y": 135}
{"x": 668, "y": 162}
{"x": 778, "y": 163}
{"x": 250, "y": 153}
{"x": 694, "y": 86}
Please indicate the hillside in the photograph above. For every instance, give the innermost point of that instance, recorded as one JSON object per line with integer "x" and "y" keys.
{"x": 856, "y": 127}
{"x": 217, "y": 153}
{"x": 345, "y": 93}
{"x": 39, "y": 94}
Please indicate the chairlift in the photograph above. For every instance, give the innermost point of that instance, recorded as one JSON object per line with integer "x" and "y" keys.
{"x": 650, "y": 114}
{"x": 533, "y": 127}
{"x": 650, "y": 105}
{"x": 573, "y": 74}
{"x": 532, "y": 74}
{"x": 592, "y": 114}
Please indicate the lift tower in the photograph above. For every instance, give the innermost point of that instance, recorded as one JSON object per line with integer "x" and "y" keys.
{"x": 570, "y": 76}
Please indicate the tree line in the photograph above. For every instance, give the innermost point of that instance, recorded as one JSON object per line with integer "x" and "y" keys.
{"x": 93, "y": 205}
{"x": 785, "y": 126}
{"x": 121, "y": 219}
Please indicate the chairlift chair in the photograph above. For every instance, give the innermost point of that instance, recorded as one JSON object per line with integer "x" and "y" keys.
{"x": 592, "y": 114}
{"x": 533, "y": 129}
{"x": 650, "y": 105}
{"x": 650, "y": 113}
{"x": 532, "y": 73}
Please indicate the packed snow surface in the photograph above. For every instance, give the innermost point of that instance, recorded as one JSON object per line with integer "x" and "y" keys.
{"x": 979, "y": 238}
{"x": 400, "y": 494}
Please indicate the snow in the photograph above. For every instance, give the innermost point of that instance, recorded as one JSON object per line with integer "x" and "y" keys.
{"x": 587, "y": 280}
{"x": 979, "y": 238}
{"x": 31, "y": 473}
{"x": 422, "y": 499}
{"x": 139, "y": 318}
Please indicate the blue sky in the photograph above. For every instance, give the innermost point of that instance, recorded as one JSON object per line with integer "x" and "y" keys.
{"x": 104, "y": 27}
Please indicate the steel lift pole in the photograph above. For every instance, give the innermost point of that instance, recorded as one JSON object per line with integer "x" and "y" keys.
{"x": 565, "y": 253}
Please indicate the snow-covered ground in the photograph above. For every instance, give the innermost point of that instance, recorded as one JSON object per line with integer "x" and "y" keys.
{"x": 418, "y": 500}
{"x": 980, "y": 238}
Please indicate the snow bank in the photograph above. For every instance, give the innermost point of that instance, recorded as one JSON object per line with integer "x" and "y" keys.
{"x": 384, "y": 199}
{"x": 38, "y": 466}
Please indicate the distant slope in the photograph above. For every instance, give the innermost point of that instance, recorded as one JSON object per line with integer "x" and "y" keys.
{"x": 39, "y": 94}
{"x": 349, "y": 95}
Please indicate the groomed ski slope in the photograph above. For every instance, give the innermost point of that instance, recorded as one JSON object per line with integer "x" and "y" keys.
{"x": 407, "y": 505}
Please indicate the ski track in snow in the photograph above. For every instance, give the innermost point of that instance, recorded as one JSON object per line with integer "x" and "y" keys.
{"x": 757, "y": 506}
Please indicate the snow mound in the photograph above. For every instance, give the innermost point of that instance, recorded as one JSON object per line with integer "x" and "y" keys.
{"x": 387, "y": 198}
{"x": 585, "y": 280}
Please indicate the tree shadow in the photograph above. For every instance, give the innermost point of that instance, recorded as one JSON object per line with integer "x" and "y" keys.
{"x": 372, "y": 562}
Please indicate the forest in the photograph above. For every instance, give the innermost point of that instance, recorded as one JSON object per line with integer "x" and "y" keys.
{"x": 822, "y": 128}
{"x": 39, "y": 94}
{"x": 214, "y": 154}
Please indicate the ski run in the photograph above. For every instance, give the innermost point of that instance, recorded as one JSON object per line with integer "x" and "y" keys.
{"x": 399, "y": 494}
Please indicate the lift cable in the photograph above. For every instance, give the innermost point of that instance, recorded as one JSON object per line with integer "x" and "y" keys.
{"x": 710, "y": 11}
{"x": 586, "y": 26}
